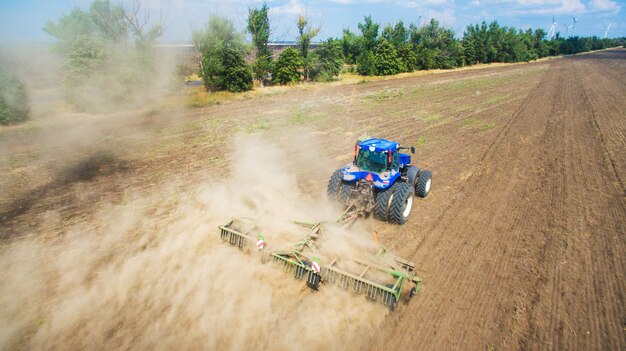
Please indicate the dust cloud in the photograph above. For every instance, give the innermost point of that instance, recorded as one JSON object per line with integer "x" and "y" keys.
{"x": 152, "y": 273}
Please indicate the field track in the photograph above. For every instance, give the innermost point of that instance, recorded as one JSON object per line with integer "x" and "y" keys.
{"x": 528, "y": 253}
{"x": 522, "y": 241}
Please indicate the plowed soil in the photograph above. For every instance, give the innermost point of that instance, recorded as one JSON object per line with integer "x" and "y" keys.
{"x": 521, "y": 243}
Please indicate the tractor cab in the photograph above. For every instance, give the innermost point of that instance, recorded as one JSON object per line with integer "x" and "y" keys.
{"x": 378, "y": 161}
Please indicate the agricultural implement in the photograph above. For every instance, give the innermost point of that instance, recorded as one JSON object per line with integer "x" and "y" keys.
{"x": 379, "y": 277}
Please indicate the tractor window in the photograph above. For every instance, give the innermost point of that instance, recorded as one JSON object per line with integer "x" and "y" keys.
{"x": 372, "y": 161}
{"x": 396, "y": 160}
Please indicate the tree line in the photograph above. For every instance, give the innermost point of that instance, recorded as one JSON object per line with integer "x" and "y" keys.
{"x": 108, "y": 53}
{"x": 370, "y": 51}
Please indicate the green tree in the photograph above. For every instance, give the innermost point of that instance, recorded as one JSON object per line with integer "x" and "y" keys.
{"x": 259, "y": 29}
{"x": 14, "y": 106}
{"x": 407, "y": 57}
{"x": 101, "y": 68}
{"x": 386, "y": 60}
{"x": 397, "y": 35}
{"x": 236, "y": 75}
{"x": 350, "y": 44}
{"x": 366, "y": 64}
{"x": 287, "y": 67}
{"x": 217, "y": 45}
{"x": 328, "y": 61}
{"x": 369, "y": 33}
{"x": 306, "y": 34}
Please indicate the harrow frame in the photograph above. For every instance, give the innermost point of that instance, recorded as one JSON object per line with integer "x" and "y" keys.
{"x": 298, "y": 261}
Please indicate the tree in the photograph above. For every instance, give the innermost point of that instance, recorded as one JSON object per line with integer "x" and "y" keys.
{"x": 221, "y": 49}
{"x": 369, "y": 32}
{"x": 306, "y": 34}
{"x": 287, "y": 67}
{"x": 366, "y": 64}
{"x": 236, "y": 75}
{"x": 13, "y": 99}
{"x": 386, "y": 60}
{"x": 327, "y": 61}
{"x": 259, "y": 29}
{"x": 407, "y": 57}
{"x": 397, "y": 35}
{"x": 351, "y": 46}
{"x": 101, "y": 68}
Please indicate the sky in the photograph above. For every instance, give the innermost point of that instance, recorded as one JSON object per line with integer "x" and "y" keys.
{"x": 22, "y": 20}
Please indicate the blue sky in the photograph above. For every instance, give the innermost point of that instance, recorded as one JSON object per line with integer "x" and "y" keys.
{"x": 22, "y": 20}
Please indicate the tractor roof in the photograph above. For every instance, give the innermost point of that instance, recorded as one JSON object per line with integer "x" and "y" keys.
{"x": 379, "y": 144}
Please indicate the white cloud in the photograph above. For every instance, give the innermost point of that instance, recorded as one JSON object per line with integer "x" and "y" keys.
{"x": 604, "y": 6}
{"x": 422, "y": 3}
{"x": 549, "y": 7}
{"x": 293, "y": 7}
{"x": 349, "y": 2}
{"x": 445, "y": 17}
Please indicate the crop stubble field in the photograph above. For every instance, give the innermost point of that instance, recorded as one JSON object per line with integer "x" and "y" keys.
{"x": 521, "y": 243}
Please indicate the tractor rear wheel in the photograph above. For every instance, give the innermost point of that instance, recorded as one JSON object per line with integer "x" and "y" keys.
{"x": 422, "y": 185}
{"x": 334, "y": 185}
{"x": 345, "y": 191}
{"x": 401, "y": 203}
{"x": 383, "y": 199}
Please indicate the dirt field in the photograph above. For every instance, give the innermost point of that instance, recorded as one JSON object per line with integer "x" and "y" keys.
{"x": 521, "y": 243}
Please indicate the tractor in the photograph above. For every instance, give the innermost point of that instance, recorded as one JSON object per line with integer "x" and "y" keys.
{"x": 379, "y": 180}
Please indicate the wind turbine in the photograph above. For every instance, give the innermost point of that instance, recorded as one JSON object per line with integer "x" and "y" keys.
{"x": 607, "y": 30}
{"x": 552, "y": 31}
{"x": 574, "y": 25}
{"x": 567, "y": 28}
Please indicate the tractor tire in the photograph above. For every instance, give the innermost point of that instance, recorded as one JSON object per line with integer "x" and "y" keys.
{"x": 401, "y": 203}
{"x": 334, "y": 185}
{"x": 383, "y": 199}
{"x": 412, "y": 173}
{"x": 345, "y": 191}
{"x": 423, "y": 183}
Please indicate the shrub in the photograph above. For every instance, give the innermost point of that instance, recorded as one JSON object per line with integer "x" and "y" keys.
{"x": 365, "y": 64}
{"x": 327, "y": 61}
{"x": 13, "y": 99}
{"x": 386, "y": 60}
{"x": 236, "y": 75}
{"x": 287, "y": 67}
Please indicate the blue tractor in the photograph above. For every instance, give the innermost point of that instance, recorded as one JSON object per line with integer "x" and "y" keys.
{"x": 380, "y": 180}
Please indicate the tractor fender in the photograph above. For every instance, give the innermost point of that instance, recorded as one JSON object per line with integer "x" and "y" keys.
{"x": 412, "y": 173}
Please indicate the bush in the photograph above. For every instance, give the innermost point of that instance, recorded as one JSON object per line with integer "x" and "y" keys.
{"x": 222, "y": 49}
{"x": 108, "y": 55}
{"x": 365, "y": 64}
{"x": 327, "y": 61}
{"x": 287, "y": 67}
{"x": 236, "y": 75}
{"x": 13, "y": 99}
{"x": 386, "y": 60}
{"x": 407, "y": 57}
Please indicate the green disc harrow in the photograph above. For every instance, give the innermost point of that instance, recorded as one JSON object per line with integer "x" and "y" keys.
{"x": 374, "y": 277}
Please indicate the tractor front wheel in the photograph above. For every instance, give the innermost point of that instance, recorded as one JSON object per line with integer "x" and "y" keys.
{"x": 422, "y": 185}
{"x": 401, "y": 203}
